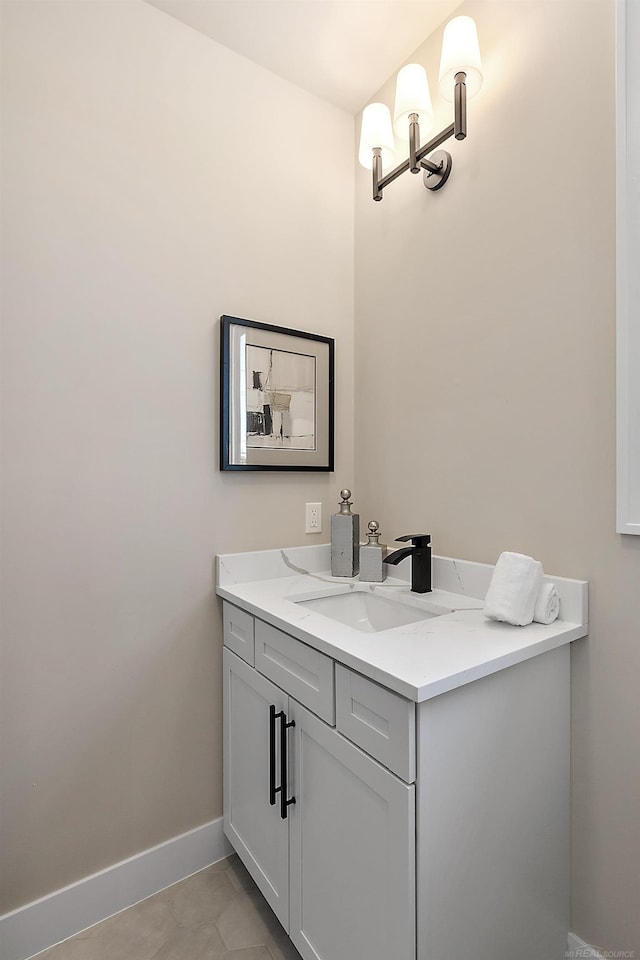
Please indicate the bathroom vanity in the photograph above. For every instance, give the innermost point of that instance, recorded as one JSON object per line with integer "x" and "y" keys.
{"x": 396, "y": 769}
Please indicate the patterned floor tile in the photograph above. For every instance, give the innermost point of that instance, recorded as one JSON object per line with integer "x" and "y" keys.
{"x": 193, "y": 943}
{"x": 250, "y": 953}
{"x": 86, "y": 948}
{"x": 243, "y": 923}
{"x": 201, "y": 898}
{"x": 217, "y": 914}
{"x": 136, "y": 933}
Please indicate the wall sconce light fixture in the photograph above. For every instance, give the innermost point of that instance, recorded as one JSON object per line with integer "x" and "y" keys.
{"x": 460, "y": 79}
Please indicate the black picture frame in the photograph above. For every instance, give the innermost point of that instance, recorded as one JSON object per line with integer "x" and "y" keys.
{"x": 276, "y": 397}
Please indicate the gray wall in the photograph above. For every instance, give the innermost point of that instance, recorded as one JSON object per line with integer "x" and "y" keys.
{"x": 133, "y": 216}
{"x": 485, "y": 384}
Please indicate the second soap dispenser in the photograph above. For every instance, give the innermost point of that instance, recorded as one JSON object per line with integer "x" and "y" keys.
{"x": 372, "y": 554}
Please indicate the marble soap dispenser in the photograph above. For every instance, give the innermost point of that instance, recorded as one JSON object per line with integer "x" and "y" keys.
{"x": 372, "y": 569}
{"x": 345, "y": 539}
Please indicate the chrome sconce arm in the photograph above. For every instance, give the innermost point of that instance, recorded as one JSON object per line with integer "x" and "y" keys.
{"x": 460, "y": 75}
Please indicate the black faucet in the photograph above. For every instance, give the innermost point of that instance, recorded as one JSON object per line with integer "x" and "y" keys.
{"x": 420, "y": 554}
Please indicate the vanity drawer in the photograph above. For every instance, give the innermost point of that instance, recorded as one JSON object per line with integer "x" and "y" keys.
{"x": 238, "y": 631}
{"x": 297, "y": 668}
{"x": 379, "y": 721}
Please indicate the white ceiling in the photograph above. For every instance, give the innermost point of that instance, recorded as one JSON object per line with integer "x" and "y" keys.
{"x": 339, "y": 50}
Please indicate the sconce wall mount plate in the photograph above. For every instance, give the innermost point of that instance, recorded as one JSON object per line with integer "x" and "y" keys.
{"x": 434, "y": 179}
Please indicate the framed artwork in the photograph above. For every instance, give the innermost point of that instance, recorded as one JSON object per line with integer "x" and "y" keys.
{"x": 276, "y": 397}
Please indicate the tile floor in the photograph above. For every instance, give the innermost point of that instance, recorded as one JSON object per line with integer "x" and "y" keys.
{"x": 217, "y": 914}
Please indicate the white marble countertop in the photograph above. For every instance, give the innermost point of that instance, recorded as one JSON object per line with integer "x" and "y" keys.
{"x": 420, "y": 660}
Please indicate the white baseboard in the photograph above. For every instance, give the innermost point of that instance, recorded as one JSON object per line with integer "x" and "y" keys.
{"x": 63, "y": 913}
{"x": 577, "y": 949}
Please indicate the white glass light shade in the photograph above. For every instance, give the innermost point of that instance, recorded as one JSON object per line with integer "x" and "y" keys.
{"x": 412, "y": 96}
{"x": 460, "y": 51}
{"x": 376, "y": 132}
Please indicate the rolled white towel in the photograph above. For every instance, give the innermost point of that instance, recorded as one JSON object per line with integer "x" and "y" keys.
{"x": 547, "y": 605}
{"x": 514, "y": 589}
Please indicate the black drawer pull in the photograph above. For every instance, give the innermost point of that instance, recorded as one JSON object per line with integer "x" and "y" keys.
{"x": 282, "y": 789}
{"x": 284, "y": 802}
{"x": 273, "y": 790}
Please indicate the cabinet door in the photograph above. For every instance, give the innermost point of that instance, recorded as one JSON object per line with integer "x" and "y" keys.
{"x": 352, "y": 850}
{"x": 254, "y": 827}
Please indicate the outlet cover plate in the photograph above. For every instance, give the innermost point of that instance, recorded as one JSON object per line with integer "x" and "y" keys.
{"x": 313, "y": 518}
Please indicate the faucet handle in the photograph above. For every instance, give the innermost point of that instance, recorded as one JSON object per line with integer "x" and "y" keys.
{"x": 417, "y": 539}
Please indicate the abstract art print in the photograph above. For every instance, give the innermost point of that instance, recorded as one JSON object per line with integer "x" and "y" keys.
{"x": 281, "y": 399}
{"x": 276, "y": 397}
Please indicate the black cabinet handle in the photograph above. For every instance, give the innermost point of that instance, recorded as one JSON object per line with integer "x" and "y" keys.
{"x": 284, "y": 802}
{"x": 282, "y": 789}
{"x": 273, "y": 790}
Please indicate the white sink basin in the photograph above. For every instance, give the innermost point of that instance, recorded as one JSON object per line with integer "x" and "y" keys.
{"x": 367, "y": 611}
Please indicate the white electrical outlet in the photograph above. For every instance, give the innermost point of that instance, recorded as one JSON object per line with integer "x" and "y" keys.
{"x": 313, "y": 518}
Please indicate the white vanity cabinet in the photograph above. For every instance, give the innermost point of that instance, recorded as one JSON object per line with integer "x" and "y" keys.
{"x": 254, "y": 827}
{"x": 431, "y": 830}
{"x": 337, "y": 866}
